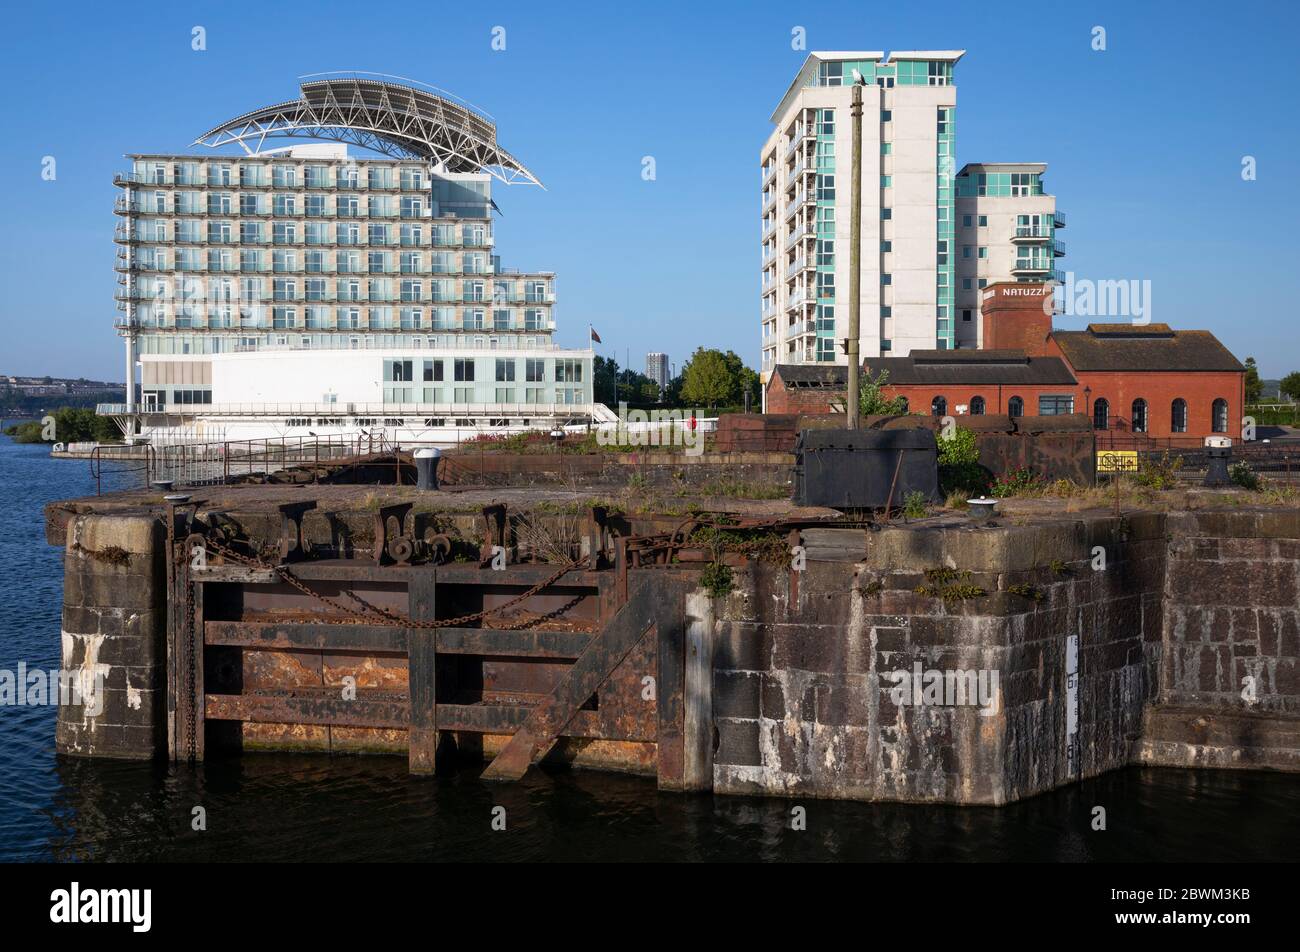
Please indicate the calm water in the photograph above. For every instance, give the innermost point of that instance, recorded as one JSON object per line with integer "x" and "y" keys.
{"x": 281, "y": 807}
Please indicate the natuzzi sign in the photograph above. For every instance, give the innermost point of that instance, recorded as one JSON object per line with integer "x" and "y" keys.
{"x": 1021, "y": 291}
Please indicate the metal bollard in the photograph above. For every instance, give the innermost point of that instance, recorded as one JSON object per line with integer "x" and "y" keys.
{"x": 426, "y": 468}
{"x": 1216, "y": 470}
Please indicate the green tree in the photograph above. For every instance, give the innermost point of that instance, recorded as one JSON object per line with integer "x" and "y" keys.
{"x": 872, "y": 401}
{"x": 1290, "y": 385}
{"x": 713, "y": 378}
{"x": 708, "y": 380}
{"x": 604, "y": 374}
{"x": 1254, "y": 387}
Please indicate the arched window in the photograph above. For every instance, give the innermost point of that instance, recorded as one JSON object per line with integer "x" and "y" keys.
{"x": 1016, "y": 407}
{"x": 902, "y": 402}
{"x": 1219, "y": 416}
{"x": 938, "y": 406}
{"x": 1100, "y": 413}
{"x": 1139, "y": 415}
{"x": 1178, "y": 416}
{"x": 977, "y": 406}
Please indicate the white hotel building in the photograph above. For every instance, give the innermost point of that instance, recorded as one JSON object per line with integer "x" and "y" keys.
{"x": 287, "y": 291}
{"x": 931, "y": 236}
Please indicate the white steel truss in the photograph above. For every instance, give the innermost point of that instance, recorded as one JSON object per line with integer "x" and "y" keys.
{"x": 389, "y": 118}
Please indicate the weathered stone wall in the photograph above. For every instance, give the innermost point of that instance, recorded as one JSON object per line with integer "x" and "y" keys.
{"x": 114, "y": 629}
{"x": 1233, "y": 611}
{"x": 803, "y": 697}
{"x": 1230, "y": 674}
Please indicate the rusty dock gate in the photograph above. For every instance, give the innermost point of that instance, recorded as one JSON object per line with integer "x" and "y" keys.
{"x": 588, "y": 657}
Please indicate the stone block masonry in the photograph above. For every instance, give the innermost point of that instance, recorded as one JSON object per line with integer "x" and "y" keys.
{"x": 803, "y": 698}
{"x": 114, "y": 624}
{"x": 1230, "y": 673}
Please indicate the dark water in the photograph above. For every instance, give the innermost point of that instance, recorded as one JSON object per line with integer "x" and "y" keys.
{"x": 296, "y": 807}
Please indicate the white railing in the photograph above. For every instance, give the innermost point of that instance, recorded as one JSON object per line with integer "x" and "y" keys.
{"x": 415, "y": 413}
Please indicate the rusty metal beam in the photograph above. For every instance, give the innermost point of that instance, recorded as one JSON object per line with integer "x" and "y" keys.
{"x": 507, "y": 719}
{"x": 376, "y": 710}
{"x": 334, "y": 637}
{"x": 520, "y": 644}
{"x": 390, "y": 638}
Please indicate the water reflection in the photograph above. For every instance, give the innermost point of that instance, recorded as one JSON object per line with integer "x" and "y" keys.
{"x": 272, "y": 807}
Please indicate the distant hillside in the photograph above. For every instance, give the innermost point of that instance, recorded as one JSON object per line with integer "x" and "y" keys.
{"x": 27, "y": 396}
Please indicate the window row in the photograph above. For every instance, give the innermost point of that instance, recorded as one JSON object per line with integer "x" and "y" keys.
{"x": 467, "y": 370}
{"x": 1138, "y": 422}
{"x": 198, "y": 231}
{"x": 1138, "y": 417}
{"x": 280, "y": 175}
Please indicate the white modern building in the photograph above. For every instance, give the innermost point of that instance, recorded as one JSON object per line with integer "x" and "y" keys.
{"x": 297, "y": 290}
{"x": 1006, "y": 231}
{"x": 913, "y": 273}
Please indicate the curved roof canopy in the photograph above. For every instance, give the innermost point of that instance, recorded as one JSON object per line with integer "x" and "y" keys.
{"x": 391, "y": 118}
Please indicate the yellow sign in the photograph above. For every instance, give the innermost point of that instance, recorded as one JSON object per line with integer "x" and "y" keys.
{"x": 1117, "y": 461}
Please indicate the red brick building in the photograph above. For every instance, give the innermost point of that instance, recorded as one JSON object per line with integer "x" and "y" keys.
{"x": 1131, "y": 379}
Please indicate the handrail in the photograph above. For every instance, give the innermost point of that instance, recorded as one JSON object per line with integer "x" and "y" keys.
{"x": 96, "y": 460}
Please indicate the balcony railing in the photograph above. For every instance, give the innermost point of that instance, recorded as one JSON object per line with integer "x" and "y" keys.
{"x": 801, "y": 233}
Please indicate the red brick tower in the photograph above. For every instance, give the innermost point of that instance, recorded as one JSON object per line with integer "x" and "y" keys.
{"x": 1017, "y": 316}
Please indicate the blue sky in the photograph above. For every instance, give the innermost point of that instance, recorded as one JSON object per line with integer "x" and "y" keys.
{"x": 1144, "y": 144}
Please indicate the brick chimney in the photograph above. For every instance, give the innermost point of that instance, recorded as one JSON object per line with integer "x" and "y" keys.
{"x": 1017, "y": 316}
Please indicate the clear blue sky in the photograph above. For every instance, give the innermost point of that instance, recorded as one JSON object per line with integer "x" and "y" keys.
{"x": 1144, "y": 144}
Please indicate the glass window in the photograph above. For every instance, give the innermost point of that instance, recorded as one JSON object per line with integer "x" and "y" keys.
{"x": 1016, "y": 407}
{"x": 1100, "y": 414}
{"x": 1055, "y": 404}
{"x": 1139, "y": 421}
{"x": 1219, "y": 416}
{"x": 977, "y": 406}
{"x": 1178, "y": 414}
{"x": 938, "y": 406}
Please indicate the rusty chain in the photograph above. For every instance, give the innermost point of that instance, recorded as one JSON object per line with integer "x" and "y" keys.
{"x": 386, "y": 616}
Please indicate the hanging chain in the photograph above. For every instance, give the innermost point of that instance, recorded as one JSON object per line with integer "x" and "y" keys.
{"x": 191, "y": 673}
{"x": 372, "y": 614}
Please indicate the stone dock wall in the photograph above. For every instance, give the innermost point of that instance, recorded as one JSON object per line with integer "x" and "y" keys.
{"x": 1114, "y": 641}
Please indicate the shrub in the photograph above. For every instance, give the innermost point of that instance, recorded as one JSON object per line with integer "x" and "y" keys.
{"x": 914, "y": 506}
{"x": 1242, "y": 475}
{"x": 959, "y": 463}
{"x": 1017, "y": 482}
{"x": 1159, "y": 474}
{"x": 716, "y": 579}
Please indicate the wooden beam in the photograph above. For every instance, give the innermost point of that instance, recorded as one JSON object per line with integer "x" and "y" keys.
{"x": 697, "y": 731}
{"x": 649, "y": 606}
{"x": 422, "y": 674}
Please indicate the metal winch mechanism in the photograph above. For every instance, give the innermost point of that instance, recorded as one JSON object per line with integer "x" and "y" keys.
{"x": 396, "y": 545}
